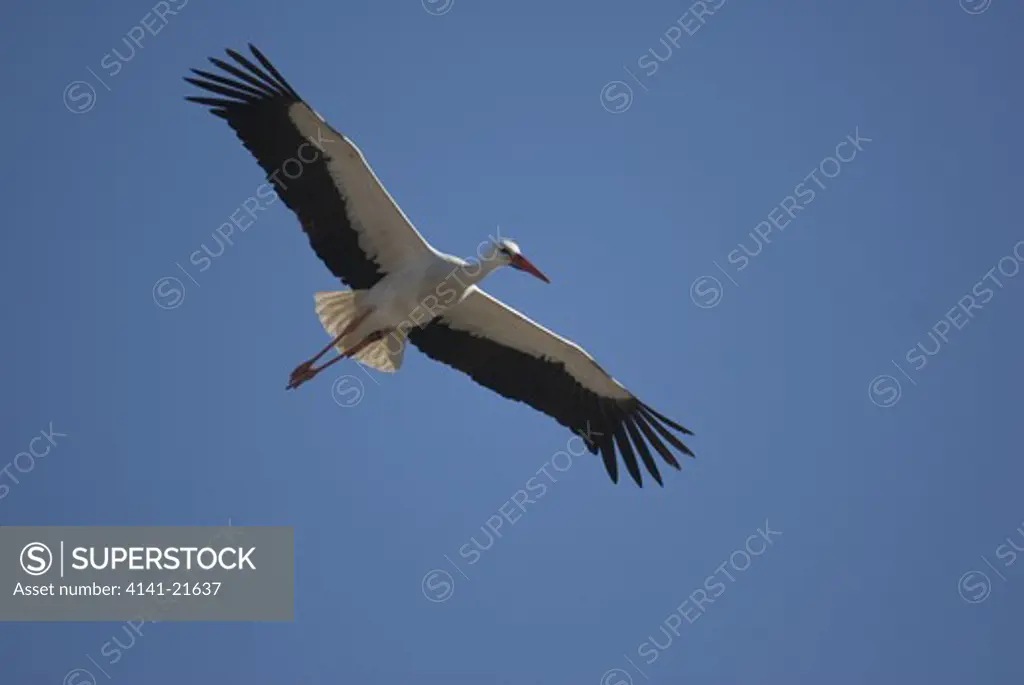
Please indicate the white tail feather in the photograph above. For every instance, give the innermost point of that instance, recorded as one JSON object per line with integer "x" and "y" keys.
{"x": 336, "y": 310}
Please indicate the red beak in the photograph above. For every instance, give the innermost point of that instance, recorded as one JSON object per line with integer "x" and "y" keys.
{"x": 523, "y": 264}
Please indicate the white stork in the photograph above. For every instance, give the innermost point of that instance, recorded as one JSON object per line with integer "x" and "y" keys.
{"x": 365, "y": 239}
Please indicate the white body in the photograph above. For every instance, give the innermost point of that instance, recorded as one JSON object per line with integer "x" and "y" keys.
{"x": 400, "y": 301}
{"x": 416, "y": 294}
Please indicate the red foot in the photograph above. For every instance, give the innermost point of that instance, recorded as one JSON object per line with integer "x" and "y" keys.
{"x": 302, "y": 373}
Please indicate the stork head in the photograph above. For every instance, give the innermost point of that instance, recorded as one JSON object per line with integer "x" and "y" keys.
{"x": 507, "y": 252}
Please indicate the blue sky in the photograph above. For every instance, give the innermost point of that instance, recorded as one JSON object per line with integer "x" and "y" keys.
{"x": 891, "y": 485}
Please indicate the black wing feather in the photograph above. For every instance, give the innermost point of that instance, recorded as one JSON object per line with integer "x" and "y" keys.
{"x": 548, "y": 387}
{"x": 652, "y": 438}
{"x": 676, "y": 442}
{"x": 626, "y": 450}
{"x": 641, "y": 447}
{"x": 255, "y": 104}
{"x": 216, "y": 78}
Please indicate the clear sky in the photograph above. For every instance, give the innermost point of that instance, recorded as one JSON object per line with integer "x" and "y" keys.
{"x": 883, "y": 473}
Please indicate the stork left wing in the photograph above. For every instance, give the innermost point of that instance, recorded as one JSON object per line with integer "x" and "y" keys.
{"x": 353, "y": 223}
{"x": 517, "y": 358}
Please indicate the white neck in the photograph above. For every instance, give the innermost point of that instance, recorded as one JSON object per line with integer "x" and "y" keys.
{"x": 479, "y": 269}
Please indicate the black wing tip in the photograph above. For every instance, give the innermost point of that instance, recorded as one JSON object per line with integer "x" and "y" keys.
{"x": 640, "y": 446}
{"x": 626, "y": 451}
{"x": 248, "y": 77}
{"x": 256, "y": 52}
{"x": 665, "y": 419}
{"x": 235, "y": 54}
{"x": 657, "y": 478}
{"x": 662, "y": 424}
{"x": 611, "y": 464}
{"x": 637, "y": 429}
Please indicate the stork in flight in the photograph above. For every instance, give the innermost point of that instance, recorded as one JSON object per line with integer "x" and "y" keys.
{"x": 366, "y": 241}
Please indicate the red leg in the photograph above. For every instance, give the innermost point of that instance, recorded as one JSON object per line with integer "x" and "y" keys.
{"x": 308, "y": 373}
{"x": 302, "y": 370}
